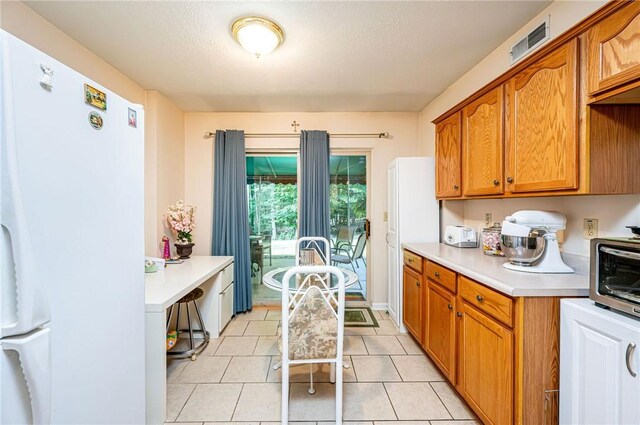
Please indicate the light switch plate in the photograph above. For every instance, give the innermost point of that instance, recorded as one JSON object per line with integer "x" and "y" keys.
{"x": 488, "y": 219}
{"x": 385, "y": 216}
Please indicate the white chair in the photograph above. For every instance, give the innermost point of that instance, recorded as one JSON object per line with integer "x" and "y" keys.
{"x": 320, "y": 244}
{"x": 312, "y": 330}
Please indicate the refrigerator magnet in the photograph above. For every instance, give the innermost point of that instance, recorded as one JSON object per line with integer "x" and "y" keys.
{"x": 95, "y": 120}
{"x": 95, "y": 97}
{"x": 133, "y": 118}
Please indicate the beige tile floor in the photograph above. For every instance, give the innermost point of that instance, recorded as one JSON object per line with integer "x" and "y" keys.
{"x": 390, "y": 382}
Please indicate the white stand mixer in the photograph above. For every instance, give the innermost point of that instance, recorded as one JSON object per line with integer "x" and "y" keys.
{"x": 521, "y": 224}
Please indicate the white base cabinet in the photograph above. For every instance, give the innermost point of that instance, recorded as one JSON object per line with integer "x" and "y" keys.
{"x": 599, "y": 366}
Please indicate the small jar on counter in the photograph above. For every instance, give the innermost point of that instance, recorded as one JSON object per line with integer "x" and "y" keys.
{"x": 491, "y": 240}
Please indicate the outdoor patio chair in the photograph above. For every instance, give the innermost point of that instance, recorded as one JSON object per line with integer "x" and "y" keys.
{"x": 266, "y": 244}
{"x": 319, "y": 244}
{"x": 348, "y": 257}
{"x": 344, "y": 238}
{"x": 312, "y": 330}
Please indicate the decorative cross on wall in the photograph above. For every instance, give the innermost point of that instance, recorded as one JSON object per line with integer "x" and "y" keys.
{"x": 295, "y": 126}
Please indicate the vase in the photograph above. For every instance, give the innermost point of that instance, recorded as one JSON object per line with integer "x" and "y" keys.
{"x": 184, "y": 251}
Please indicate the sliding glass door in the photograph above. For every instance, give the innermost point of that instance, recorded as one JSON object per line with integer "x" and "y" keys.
{"x": 349, "y": 224}
{"x": 272, "y": 187}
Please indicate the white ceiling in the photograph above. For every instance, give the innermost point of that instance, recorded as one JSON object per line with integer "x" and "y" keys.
{"x": 337, "y": 56}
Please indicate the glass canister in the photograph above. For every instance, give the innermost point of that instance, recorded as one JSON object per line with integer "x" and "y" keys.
{"x": 491, "y": 240}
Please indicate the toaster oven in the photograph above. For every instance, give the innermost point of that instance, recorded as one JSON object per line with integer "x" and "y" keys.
{"x": 615, "y": 274}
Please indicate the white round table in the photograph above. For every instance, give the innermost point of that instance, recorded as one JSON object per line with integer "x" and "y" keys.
{"x": 273, "y": 279}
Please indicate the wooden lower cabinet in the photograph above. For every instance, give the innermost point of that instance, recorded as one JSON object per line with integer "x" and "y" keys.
{"x": 500, "y": 353}
{"x": 485, "y": 365}
{"x": 412, "y": 302}
{"x": 440, "y": 331}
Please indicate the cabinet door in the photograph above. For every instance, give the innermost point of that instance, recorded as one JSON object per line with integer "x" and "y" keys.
{"x": 485, "y": 356}
{"x": 412, "y": 303}
{"x": 614, "y": 50}
{"x": 483, "y": 145}
{"x": 596, "y": 365}
{"x": 542, "y": 136}
{"x": 440, "y": 337}
{"x": 448, "y": 157}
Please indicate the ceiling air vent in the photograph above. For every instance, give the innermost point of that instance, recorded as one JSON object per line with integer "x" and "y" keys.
{"x": 530, "y": 42}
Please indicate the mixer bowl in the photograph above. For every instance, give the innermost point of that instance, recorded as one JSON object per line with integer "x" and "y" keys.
{"x": 522, "y": 250}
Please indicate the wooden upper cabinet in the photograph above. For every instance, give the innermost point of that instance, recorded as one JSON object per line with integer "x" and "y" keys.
{"x": 482, "y": 145}
{"x": 614, "y": 50}
{"x": 542, "y": 131}
{"x": 448, "y": 157}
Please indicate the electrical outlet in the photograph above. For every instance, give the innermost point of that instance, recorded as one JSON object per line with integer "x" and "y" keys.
{"x": 590, "y": 228}
{"x": 385, "y": 216}
{"x": 488, "y": 219}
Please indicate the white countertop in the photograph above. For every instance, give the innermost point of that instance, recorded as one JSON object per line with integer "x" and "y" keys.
{"x": 165, "y": 287}
{"x": 488, "y": 270}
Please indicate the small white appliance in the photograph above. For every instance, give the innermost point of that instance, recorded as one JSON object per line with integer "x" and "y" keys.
{"x": 413, "y": 216}
{"x": 71, "y": 247}
{"x": 529, "y": 240}
{"x": 461, "y": 237}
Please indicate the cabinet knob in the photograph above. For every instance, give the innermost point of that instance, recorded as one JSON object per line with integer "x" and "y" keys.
{"x": 459, "y": 314}
{"x": 449, "y": 306}
{"x": 509, "y": 179}
{"x": 437, "y": 274}
{"x": 456, "y": 187}
{"x": 480, "y": 298}
{"x": 417, "y": 283}
{"x": 496, "y": 182}
{"x": 411, "y": 260}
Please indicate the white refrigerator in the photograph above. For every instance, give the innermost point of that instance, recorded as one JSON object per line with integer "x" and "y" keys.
{"x": 413, "y": 215}
{"x": 72, "y": 247}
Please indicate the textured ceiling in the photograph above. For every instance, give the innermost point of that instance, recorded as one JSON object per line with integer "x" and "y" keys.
{"x": 337, "y": 56}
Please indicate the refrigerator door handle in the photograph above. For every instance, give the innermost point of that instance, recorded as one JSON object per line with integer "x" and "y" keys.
{"x": 34, "y": 352}
{"x": 31, "y": 305}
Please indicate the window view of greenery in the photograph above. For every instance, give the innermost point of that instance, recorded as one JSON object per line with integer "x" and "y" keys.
{"x": 273, "y": 209}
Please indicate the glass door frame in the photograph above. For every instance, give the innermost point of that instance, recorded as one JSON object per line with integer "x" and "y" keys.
{"x": 367, "y": 154}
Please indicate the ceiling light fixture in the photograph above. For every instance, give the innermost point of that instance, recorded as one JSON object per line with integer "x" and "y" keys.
{"x": 258, "y": 36}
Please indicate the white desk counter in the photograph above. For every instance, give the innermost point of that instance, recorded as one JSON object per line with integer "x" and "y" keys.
{"x": 214, "y": 275}
{"x": 163, "y": 288}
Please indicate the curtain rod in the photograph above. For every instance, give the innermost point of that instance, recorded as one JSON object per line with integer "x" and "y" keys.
{"x": 297, "y": 135}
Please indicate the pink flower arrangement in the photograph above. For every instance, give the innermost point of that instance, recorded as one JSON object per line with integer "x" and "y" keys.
{"x": 181, "y": 219}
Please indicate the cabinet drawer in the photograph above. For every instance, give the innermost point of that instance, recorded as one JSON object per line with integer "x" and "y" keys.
{"x": 487, "y": 300}
{"x": 413, "y": 261}
{"x": 442, "y": 276}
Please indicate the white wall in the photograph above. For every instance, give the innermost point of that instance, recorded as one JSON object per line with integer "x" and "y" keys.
{"x": 613, "y": 212}
{"x": 403, "y": 128}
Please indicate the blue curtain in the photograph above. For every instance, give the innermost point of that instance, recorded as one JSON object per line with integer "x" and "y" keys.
{"x": 314, "y": 187}
{"x": 231, "y": 212}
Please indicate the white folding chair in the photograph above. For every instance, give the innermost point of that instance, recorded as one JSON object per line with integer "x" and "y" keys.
{"x": 312, "y": 330}
{"x": 319, "y": 244}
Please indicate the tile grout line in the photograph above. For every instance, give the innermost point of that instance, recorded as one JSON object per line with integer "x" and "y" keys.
{"x": 185, "y": 402}
{"x": 441, "y": 401}
{"x": 235, "y": 407}
{"x": 390, "y": 401}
